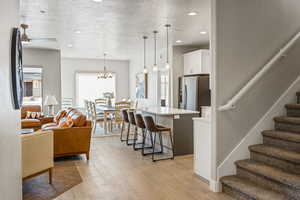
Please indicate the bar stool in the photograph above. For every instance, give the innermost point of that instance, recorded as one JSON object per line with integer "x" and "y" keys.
{"x": 132, "y": 123}
{"x": 157, "y": 129}
{"x": 125, "y": 121}
{"x": 141, "y": 124}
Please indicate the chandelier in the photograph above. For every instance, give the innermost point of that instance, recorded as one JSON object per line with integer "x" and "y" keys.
{"x": 104, "y": 74}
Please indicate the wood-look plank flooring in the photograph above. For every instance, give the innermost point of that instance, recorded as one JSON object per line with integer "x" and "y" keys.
{"x": 116, "y": 172}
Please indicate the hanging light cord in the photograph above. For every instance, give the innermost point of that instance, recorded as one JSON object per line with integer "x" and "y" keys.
{"x": 104, "y": 62}
{"x": 155, "y": 43}
{"x": 145, "y": 38}
{"x": 144, "y": 52}
{"x": 168, "y": 26}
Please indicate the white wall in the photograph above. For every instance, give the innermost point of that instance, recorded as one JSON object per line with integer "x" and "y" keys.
{"x": 70, "y": 66}
{"x": 249, "y": 33}
{"x": 10, "y": 151}
{"x": 50, "y": 61}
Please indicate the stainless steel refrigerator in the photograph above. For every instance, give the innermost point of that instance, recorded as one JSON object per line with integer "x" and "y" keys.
{"x": 194, "y": 92}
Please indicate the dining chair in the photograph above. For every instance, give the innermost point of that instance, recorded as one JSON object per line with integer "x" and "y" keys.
{"x": 101, "y": 102}
{"x": 122, "y": 105}
{"x": 86, "y": 109}
{"x": 96, "y": 118}
{"x": 89, "y": 109}
{"x": 117, "y": 116}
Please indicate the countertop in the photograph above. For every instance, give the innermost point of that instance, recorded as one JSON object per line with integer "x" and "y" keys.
{"x": 167, "y": 111}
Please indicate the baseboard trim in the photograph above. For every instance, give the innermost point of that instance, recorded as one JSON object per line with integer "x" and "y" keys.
{"x": 215, "y": 186}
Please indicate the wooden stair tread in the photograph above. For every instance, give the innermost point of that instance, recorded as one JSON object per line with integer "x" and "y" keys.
{"x": 288, "y": 120}
{"x": 282, "y": 135}
{"x": 293, "y": 106}
{"x": 250, "y": 189}
{"x": 272, "y": 173}
{"x": 276, "y": 152}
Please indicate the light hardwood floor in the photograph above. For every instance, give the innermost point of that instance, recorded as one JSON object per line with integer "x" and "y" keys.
{"x": 116, "y": 172}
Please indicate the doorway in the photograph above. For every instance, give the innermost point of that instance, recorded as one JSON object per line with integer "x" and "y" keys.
{"x": 33, "y": 85}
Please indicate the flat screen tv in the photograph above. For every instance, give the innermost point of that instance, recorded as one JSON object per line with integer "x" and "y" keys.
{"x": 16, "y": 69}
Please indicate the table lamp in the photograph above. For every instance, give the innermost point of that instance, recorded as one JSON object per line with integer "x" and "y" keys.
{"x": 50, "y": 101}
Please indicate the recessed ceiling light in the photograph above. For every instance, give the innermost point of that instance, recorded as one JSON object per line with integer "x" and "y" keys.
{"x": 203, "y": 32}
{"x": 97, "y": 1}
{"x": 70, "y": 45}
{"x": 77, "y": 31}
{"x": 192, "y": 13}
{"x": 178, "y": 41}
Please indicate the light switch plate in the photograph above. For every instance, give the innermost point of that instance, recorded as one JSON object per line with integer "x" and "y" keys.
{"x": 176, "y": 116}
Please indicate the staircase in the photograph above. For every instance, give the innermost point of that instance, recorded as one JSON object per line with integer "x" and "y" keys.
{"x": 273, "y": 170}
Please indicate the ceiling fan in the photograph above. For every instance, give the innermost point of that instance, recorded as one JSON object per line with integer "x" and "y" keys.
{"x": 26, "y": 38}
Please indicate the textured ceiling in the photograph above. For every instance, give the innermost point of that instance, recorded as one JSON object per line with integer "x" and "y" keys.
{"x": 113, "y": 26}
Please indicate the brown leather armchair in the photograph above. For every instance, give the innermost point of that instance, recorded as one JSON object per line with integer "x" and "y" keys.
{"x": 31, "y": 123}
{"x": 71, "y": 141}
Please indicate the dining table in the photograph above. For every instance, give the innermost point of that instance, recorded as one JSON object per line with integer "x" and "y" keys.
{"x": 107, "y": 111}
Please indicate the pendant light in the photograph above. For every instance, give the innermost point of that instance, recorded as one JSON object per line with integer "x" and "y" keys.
{"x": 168, "y": 60}
{"x": 104, "y": 74}
{"x": 155, "y": 67}
{"x": 145, "y": 67}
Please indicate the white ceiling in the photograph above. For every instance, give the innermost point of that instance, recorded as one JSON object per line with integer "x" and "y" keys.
{"x": 113, "y": 26}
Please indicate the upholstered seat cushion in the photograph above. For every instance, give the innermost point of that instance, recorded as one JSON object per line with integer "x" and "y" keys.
{"x": 30, "y": 123}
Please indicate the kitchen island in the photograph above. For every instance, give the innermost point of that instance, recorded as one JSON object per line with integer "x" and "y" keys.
{"x": 181, "y": 123}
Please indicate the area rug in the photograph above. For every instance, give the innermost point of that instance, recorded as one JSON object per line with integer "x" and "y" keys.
{"x": 65, "y": 176}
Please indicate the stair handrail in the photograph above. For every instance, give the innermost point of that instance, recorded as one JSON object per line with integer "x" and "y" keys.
{"x": 231, "y": 104}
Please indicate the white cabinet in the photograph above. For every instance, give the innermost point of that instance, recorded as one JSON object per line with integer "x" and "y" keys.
{"x": 202, "y": 147}
{"x": 197, "y": 62}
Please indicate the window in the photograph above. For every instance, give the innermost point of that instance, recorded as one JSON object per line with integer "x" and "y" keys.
{"x": 33, "y": 91}
{"x": 90, "y": 87}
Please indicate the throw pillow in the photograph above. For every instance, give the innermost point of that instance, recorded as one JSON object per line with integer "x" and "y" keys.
{"x": 59, "y": 116}
{"x": 33, "y": 115}
{"x": 65, "y": 122}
